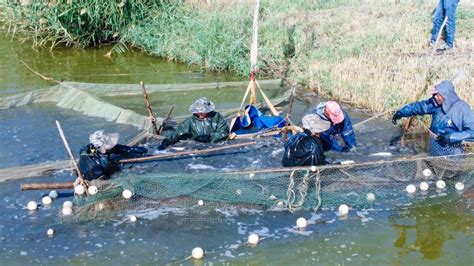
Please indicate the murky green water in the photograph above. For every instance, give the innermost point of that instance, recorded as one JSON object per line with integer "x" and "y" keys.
{"x": 431, "y": 231}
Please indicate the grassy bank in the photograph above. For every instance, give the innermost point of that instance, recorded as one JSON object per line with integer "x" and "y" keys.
{"x": 371, "y": 53}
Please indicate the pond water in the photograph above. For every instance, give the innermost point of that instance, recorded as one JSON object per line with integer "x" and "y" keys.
{"x": 435, "y": 229}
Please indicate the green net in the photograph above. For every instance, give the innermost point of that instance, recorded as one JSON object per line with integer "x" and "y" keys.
{"x": 279, "y": 189}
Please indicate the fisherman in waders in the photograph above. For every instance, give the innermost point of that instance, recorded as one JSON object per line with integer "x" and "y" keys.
{"x": 204, "y": 125}
{"x": 452, "y": 120}
{"x": 100, "y": 158}
{"x": 306, "y": 148}
{"x": 340, "y": 136}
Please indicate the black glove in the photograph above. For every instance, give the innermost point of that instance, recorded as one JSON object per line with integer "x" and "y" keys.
{"x": 203, "y": 138}
{"x": 396, "y": 116}
{"x": 444, "y": 138}
{"x": 165, "y": 143}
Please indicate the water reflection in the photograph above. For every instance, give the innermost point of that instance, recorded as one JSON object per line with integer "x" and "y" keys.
{"x": 426, "y": 226}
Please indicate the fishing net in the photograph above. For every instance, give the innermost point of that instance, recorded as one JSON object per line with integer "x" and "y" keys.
{"x": 279, "y": 189}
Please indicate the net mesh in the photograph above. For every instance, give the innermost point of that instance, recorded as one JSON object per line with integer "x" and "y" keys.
{"x": 291, "y": 189}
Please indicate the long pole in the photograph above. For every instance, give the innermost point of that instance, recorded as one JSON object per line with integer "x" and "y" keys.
{"x": 185, "y": 153}
{"x": 148, "y": 107}
{"x": 163, "y": 124}
{"x": 71, "y": 156}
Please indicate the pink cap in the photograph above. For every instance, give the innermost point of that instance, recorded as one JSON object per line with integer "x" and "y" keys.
{"x": 433, "y": 90}
{"x": 334, "y": 111}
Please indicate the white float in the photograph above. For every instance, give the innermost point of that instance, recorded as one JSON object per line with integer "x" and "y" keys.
{"x": 313, "y": 168}
{"x": 411, "y": 189}
{"x": 79, "y": 190}
{"x": 32, "y": 206}
{"x": 238, "y": 192}
{"x": 92, "y": 190}
{"x": 46, "y": 200}
{"x": 197, "y": 253}
{"x": 200, "y": 202}
{"x": 251, "y": 175}
{"x": 67, "y": 203}
{"x": 253, "y": 239}
{"x": 301, "y": 223}
{"x": 281, "y": 204}
{"x": 67, "y": 211}
{"x": 343, "y": 209}
{"x": 50, "y": 232}
{"x": 133, "y": 218}
{"x": 370, "y": 196}
{"x": 440, "y": 184}
{"x": 459, "y": 186}
{"x": 424, "y": 186}
{"x": 427, "y": 172}
{"x": 53, "y": 194}
{"x": 127, "y": 193}
{"x": 273, "y": 197}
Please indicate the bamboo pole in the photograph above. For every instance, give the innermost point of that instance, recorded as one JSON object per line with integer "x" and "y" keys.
{"x": 163, "y": 124}
{"x": 185, "y": 153}
{"x": 45, "y": 186}
{"x": 39, "y": 74}
{"x": 148, "y": 107}
{"x": 71, "y": 156}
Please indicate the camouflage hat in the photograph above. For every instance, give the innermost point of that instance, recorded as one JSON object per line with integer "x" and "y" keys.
{"x": 315, "y": 123}
{"x": 102, "y": 141}
{"x": 202, "y": 105}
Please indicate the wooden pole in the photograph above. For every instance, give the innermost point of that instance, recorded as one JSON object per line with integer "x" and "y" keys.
{"x": 148, "y": 107}
{"x": 45, "y": 186}
{"x": 71, "y": 156}
{"x": 185, "y": 153}
{"x": 163, "y": 124}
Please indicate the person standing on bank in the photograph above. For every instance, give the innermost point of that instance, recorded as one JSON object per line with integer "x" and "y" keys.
{"x": 445, "y": 8}
{"x": 340, "y": 136}
{"x": 452, "y": 119}
{"x": 204, "y": 125}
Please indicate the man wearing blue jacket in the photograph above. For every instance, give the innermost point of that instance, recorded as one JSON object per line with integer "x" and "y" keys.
{"x": 340, "y": 136}
{"x": 452, "y": 119}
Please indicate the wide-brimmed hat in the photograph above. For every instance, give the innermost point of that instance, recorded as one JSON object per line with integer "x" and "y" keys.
{"x": 202, "y": 105}
{"x": 102, "y": 141}
{"x": 315, "y": 123}
{"x": 335, "y": 113}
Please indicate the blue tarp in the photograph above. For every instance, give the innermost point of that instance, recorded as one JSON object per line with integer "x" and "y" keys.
{"x": 255, "y": 121}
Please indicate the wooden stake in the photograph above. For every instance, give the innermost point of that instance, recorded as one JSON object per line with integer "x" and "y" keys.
{"x": 45, "y": 186}
{"x": 148, "y": 107}
{"x": 163, "y": 124}
{"x": 185, "y": 153}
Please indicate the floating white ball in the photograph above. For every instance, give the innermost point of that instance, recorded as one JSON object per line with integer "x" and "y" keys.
{"x": 440, "y": 184}
{"x": 313, "y": 168}
{"x": 273, "y": 197}
{"x": 343, "y": 209}
{"x": 200, "y": 202}
{"x": 251, "y": 175}
{"x": 50, "y": 232}
{"x": 301, "y": 222}
{"x": 92, "y": 190}
{"x": 427, "y": 172}
{"x": 133, "y": 218}
{"x": 411, "y": 189}
{"x": 253, "y": 239}
{"x": 53, "y": 194}
{"x": 459, "y": 186}
{"x": 127, "y": 193}
{"x": 370, "y": 196}
{"x": 280, "y": 204}
{"x": 46, "y": 200}
{"x": 424, "y": 186}
{"x": 79, "y": 190}
{"x": 238, "y": 192}
{"x": 67, "y": 211}
{"x": 197, "y": 253}
{"x": 32, "y": 206}
{"x": 67, "y": 203}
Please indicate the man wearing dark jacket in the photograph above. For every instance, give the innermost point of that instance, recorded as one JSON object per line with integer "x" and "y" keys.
{"x": 340, "y": 136}
{"x": 452, "y": 119}
{"x": 204, "y": 125}
{"x": 100, "y": 158}
{"x": 306, "y": 148}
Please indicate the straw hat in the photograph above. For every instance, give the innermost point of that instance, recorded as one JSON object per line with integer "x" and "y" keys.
{"x": 202, "y": 105}
{"x": 315, "y": 123}
{"x": 102, "y": 141}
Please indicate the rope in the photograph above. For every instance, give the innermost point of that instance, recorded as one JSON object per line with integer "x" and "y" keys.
{"x": 318, "y": 190}
{"x": 291, "y": 193}
{"x": 303, "y": 189}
